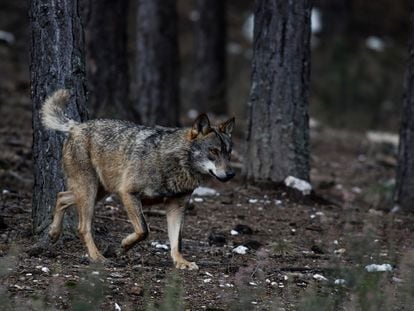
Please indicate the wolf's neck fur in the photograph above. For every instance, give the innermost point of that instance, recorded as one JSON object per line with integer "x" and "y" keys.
{"x": 180, "y": 176}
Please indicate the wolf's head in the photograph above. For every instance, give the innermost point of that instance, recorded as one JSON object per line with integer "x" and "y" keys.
{"x": 211, "y": 147}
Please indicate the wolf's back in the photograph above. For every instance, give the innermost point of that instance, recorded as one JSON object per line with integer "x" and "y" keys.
{"x": 53, "y": 115}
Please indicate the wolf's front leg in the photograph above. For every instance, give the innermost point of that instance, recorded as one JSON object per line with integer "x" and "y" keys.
{"x": 175, "y": 217}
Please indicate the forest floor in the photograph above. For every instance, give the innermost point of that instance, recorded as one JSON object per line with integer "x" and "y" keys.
{"x": 307, "y": 254}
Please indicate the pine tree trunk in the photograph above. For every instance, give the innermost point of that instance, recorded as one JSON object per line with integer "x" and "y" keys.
{"x": 404, "y": 193}
{"x": 57, "y": 61}
{"x": 106, "y": 58}
{"x": 157, "y": 78}
{"x": 209, "y": 68}
{"x": 278, "y": 130}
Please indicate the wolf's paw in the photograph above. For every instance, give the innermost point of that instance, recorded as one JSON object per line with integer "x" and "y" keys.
{"x": 54, "y": 235}
{"x": 184, "y": 264}
{"x": 98, "y": 258}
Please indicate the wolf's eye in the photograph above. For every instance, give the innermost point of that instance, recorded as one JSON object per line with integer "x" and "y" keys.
{"x": 215, "y": 151}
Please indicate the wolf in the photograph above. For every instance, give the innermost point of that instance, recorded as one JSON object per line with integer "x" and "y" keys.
{"x": 141, "y": 165}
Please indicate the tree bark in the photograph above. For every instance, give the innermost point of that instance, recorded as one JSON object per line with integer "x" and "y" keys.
{"x": 278, "y": 130}
{"x": 404, "y": 193}
{"x": 106, "y": 58}
{"x": 57, "y": 61}
{"x": 157, "y": 98}
{"x": 209, "y": 68}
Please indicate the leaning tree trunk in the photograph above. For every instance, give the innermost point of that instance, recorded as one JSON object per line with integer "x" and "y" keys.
{"x": 209, "y": 67}
{"x": 106, "y": 58}
{"x": 57, "y": 61}
{"x": 278, "y": 130}
{"x": 157, "y": 77}
{"x": 404, "y": 193}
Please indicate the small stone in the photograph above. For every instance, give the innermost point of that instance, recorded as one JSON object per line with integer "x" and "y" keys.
{"x": 234, "y": 232}
{"x": 320, "y": 277}
{"x": 45, "y": 269}
{"x": 242, "y": 250}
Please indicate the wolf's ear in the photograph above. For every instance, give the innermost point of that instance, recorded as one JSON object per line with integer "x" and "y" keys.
{"x": 201, "y": 126}
{"x": 227, "y": 127}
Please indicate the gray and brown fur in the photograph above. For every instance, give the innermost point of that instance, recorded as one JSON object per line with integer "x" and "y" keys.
{"x": 139, "y": 164}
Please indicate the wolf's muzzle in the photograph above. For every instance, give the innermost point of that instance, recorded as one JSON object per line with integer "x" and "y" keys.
{"x": 229, "y": 175}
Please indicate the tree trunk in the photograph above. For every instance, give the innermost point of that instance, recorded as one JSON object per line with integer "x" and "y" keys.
{"x": 404, "y": 193}
{"x": 106, "y": 58}
{"x": 209, "y": 68}
{"x": 57, "y": 61}
{"x": 156, "y": 97}
{"x": 278, "y": 130}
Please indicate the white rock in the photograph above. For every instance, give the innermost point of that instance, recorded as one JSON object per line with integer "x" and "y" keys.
{"x": 319, "y": 277}
{"x": 204, "y": 191}
{"x": 375, "y": 43}
{"x": 234, "y": 232}
{"x": 253, "y": 201}
{"x": 302, "y": 185}
{"x": 159, "y": 245}
{"x": 207, "y": 280}
{"x": 356, "y": 190}
{"x": 339, "y": 282}
{"x": 198, "y": 200}
{"x": 5, "y": 191}
{"x": 117, "y": 307}
{"x": 253, "y": 283}
{"x": 45, "y": 269}
{"x": 383, "y": 138}
{"x": 95, "y": 273}
{"x": 395, "y": 209}
{"x": 278, "y": 202}
{"x": 162, "y": 246}
{"x": 378, "y": 268}
{"x": 208, "y": 273}
{"x": 241, "y": 249}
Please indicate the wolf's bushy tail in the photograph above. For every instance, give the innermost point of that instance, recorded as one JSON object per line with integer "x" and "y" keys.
{"x": 53, "y": 116}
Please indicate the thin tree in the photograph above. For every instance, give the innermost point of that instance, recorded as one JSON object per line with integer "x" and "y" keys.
{"x": 157, "y": 78}
{"x": 57, "y": 61}
{"x": 404, "y": 193}
{"x": 278, "y": 130}
{"x": 106, "y": 58}
{"x": 209, "y": 67}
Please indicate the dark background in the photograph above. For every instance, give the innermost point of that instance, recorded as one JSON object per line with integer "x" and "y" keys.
{"x": 354, "y": 85}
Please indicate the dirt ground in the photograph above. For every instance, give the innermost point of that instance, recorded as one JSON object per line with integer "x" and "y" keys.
{"x": 333, "y": 234}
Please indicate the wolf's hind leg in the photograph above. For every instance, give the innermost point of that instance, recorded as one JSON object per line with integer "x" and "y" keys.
{"x": 133, "y": 208}
{"x": 175, "y": 216}
{"x": 64, "y": 200}
{"x": 85, "y": 190}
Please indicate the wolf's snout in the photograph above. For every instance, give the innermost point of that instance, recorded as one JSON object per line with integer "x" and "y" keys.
{"x": 226, "y": 176}
{"x": 230, "y": 174}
